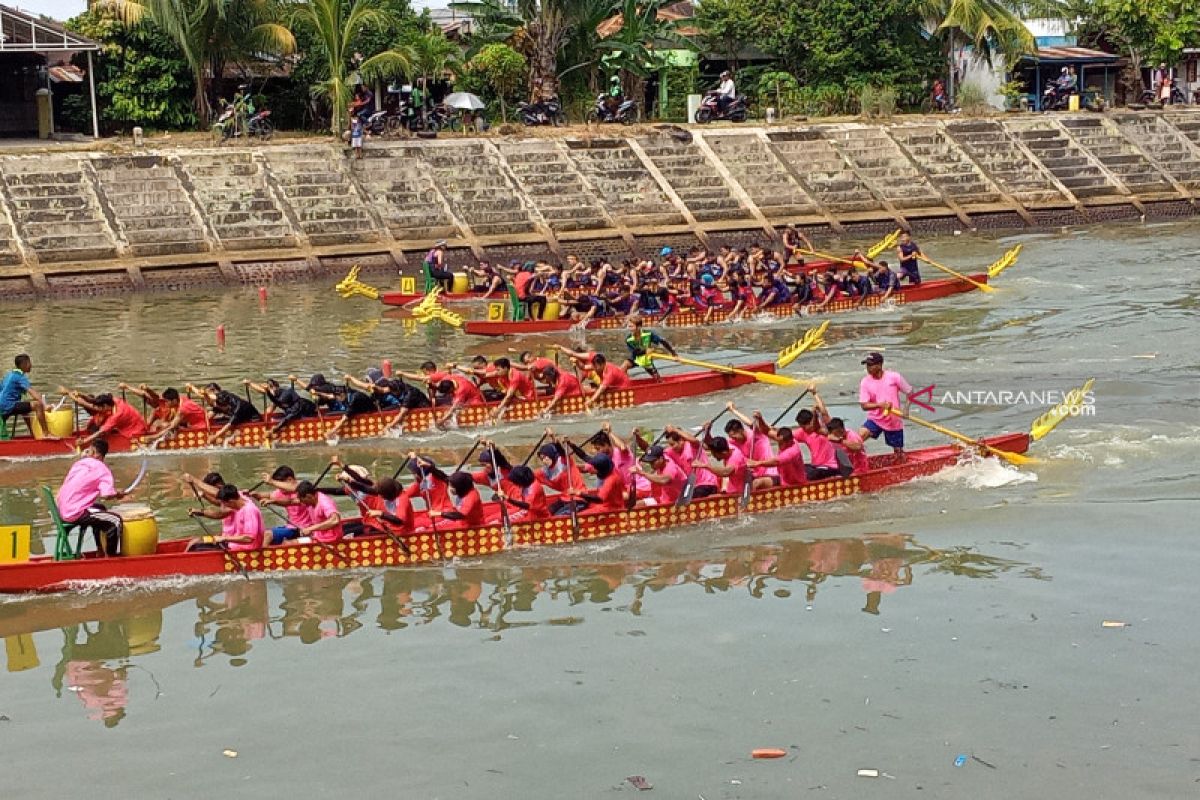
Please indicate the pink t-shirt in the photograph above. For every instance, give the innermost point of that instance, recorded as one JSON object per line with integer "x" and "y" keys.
{"x": 246, "y": 521}
{"x": 737, "y": 480}
{"x": 624, "y": 462}
{"x": 297, "y": 515}
{"x": 88, "y": 480}
{"x": 858, "y": 458}
{"x": 791, "y": 465}
{"x": 820, "y": 449}
{"x": 323, "y": 510}
{"x": 884, "y": 389}
{"x": 666, "y": 494}
{"x": 704, "y": 476}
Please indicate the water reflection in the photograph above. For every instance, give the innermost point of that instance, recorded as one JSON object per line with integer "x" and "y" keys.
{"x": 105, "y": 635}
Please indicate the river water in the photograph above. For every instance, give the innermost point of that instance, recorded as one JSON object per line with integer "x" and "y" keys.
{"x": 956, "y": 620}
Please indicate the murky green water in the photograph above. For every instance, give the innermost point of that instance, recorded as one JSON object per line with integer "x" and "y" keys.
{"x": 960, "y": 615}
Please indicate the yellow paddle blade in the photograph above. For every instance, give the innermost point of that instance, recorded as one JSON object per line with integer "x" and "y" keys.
{"x": 983, "y": 287}
{"x": 886, "y": 243}
{"x": 1005, "y": 261}
{"x": 761, "y": 377}
{"x": 1050, "y": 420}
{"x": 812, "y": 339}
{"x": 1012, "y": 458}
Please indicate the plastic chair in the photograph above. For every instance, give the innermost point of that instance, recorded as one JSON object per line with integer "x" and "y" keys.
{"x": 5, "y": 433}
{"x": 427, "y": 277}
{"x": 518, "y": 308}
{"x": 62, "y": 542}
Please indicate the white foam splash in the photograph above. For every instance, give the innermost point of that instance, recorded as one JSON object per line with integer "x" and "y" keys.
{"x": 983, "y": 473}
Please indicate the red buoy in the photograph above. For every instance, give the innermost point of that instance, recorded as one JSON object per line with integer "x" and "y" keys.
{"x": 262, "y": 295}
{"x": 220, "y": 336}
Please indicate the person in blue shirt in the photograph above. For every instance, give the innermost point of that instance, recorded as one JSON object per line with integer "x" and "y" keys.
{"x": 12, "y": 395}
{"x": 908, "y": 252}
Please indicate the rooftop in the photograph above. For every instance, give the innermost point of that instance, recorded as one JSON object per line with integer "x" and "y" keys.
{"x": 23, "y": 32}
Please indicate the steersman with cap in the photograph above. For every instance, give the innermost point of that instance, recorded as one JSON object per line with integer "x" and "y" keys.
{"x": 878, "y": 393}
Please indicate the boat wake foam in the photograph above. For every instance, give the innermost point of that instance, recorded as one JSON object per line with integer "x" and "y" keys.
{"x": 983, "y": 473}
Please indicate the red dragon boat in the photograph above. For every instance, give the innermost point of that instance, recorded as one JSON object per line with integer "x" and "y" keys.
{"x": 426, "y": 545}
{"x": 688, "y": 318}
{"x": 366, "y": 426}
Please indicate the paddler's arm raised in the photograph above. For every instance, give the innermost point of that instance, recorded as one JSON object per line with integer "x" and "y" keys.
{"x": 80, "y": 399}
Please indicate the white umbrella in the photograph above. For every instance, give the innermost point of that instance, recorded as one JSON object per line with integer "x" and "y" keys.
{"x": 465, "y": 101}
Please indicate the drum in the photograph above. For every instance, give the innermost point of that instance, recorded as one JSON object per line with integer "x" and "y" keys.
{"x": 553, "y": 309}
{"x": 462, "y": 283}
{"x": 142, "y": 631}
{"x": 60, "y": 422}
{"x": 139, "y": 535}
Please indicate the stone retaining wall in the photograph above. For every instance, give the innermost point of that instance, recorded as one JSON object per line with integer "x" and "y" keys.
{"x": 91, "y": 222}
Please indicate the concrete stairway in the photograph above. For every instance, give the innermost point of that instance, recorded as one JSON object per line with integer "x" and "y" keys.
{"x": 549, "y": 179}
{"x": 472, "y": 179}
{"x": 829, "y": 176}
{"x": 233, "y": 194}
{"x": 1163, "y": 143}
{"x": 761, "y": 174}
{"x": 150, "y": 205}
{"x": 626, "y": 188}
{"x": 989, "y": 144}
{"x": 948, "y": 166}
{"x": 56, "y": 211}
{"x": 1188, "y": 123}
{"x": 881, "y": 162}
{"x": 9, "y": 252}
{"x": 315, "y": 184}
{"x": 1118, "y": 156}
{"x": 694, "y": 179}
{"x": 402, "y": 193}
{"x": 1065, "y": 160}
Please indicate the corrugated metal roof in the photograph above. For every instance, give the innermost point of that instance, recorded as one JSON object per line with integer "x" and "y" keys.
{"x": 1065, "y": 53}
{"x": 21, "y": 31}
{"x": 66, "y": 74}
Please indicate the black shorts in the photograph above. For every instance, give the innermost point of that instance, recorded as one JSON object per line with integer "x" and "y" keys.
{"x": 20, "y": 409}
{"x": 703, "y": 491}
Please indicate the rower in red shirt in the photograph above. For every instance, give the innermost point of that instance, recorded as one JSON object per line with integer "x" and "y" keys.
{"x": 612, "y": 378}
{"x": 563, "y": 384}
{"x": 429, "y": 483}
{"x": 466, "y": 506}
{"x": 520, "y": 387}
{"x": 526, "y": 497}
{"x": 456, "y": 392}
{"x": 610, "y": 494}
{"x": 536, "y": 366}
{"x": 117, "y": 417}
{"x": 487, "y": 377}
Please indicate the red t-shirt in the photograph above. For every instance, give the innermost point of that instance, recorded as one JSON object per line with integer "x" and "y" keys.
{"x": 493, "y": 379}
{"x": 615, "y": 378}
{"x": 567, "y": 386}
{"x": 466, "y": 393}
{"x": 534, "y": 496}
{"x": 539, "y": 365}
{"x": 521, "y": 283}
{"x": 522, "y": 384}
{"x": 193, "y": 415}
{"x": 401, "y": 509}
{"x": 858, "y": 458}
{"x": 558, "y": 480}
{"x": 471, "y": 507}
{"x": 124, "y": 420}
{"x": 439, "y": 498}
{"x": 611, "y": 492}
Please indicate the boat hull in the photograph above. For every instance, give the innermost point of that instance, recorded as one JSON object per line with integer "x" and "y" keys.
{"x": 929, "y": 290}
{"x": 372, "y": 425}
{"x": 45, "y": 574}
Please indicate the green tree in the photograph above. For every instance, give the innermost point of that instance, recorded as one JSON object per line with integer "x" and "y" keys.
{"x": 728, "y": 26}
{"x": 141, "y": 77}
{"x": 209, "y": 34}
{"x": 632, "y": 49}
{"x": 333, "y": 26}
{"x": 988, "y": 25}
{"x": 1147, "y": 31}
{"x": 431, "y": 53}
{"x": 503, "y": 69}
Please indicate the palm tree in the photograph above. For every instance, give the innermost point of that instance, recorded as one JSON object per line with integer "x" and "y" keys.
{"x": 210, "y": 34}
{"x": 989, "y": 25}
{"x": 334, "y": 25}
{"x": 432, "y": 54}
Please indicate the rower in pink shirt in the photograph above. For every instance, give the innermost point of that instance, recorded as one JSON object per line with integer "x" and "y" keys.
{"x": 789, "y": 461}
{"x": 685, "y": 450}
{"x": 878, "y": 392}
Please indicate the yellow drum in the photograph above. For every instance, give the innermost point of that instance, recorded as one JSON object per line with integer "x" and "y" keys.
{"x": 61, "y": 423}
{"x": 553, "y": 309}
{"x": 140, "y": 534}
{"x": 142, "y": 632}
{"x": 462, "y": 283}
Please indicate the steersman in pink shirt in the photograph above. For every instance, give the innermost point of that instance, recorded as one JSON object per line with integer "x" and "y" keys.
{"x": 878, "y": 393}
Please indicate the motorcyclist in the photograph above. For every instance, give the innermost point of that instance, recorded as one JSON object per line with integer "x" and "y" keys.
{"x": 726, "y": 92}
{"x": 614, "y": 97}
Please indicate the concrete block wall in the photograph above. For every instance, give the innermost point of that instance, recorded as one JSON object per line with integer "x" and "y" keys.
{"x": 93, "y": 222}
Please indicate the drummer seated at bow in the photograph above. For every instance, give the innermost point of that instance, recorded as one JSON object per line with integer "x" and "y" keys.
{"x": 81, "y": 499}
{"x": 13, "y": 389}
{"x": 285, "y": 402}
{"x": 242, "y": 526}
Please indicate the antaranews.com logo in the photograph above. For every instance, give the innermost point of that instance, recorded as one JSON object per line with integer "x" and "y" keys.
{"x": 1078, "y": 404}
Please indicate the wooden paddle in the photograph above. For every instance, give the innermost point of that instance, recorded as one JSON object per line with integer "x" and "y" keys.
{"x": 761, "y": 377}
{"x": 1012, "y": 458}
{"x": 983, "y": 287}
{"x": 788, "y": 410}
{"x": 828, "y": 257}
{"x": 533, "y": 452}
{"x": 399, "y": 469}
{"x": 689, "y": 487}
{"x": 570, "y": 456}
{"x": 504, "y": 517}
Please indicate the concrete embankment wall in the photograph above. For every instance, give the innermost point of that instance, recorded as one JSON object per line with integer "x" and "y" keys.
{"x": 89, "y": 222}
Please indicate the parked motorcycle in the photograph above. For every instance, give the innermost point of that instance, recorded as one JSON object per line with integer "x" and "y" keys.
{"x": 260, "y": 125}
{"x": 1150, "y": 96}
{"x": 545, "y": 112}
{"x": 626, "y": 113}
{"x": 710, "y": 109}
{"x": 239, "y": 117}
{"x": 1056, "y": 99}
